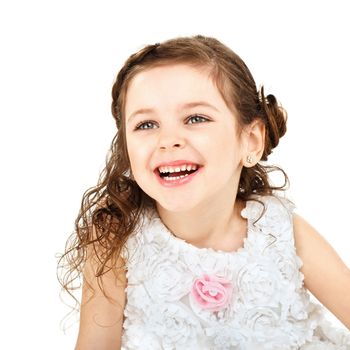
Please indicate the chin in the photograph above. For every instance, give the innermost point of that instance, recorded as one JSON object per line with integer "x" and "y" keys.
{"x": 175, "y": 206}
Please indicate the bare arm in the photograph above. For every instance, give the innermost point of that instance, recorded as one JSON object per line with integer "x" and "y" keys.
{"x": 101, "y": 319}
{"x": 326, "y": 275}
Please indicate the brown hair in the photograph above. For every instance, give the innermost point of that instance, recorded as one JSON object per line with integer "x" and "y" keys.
{"x": 115, "y": 205}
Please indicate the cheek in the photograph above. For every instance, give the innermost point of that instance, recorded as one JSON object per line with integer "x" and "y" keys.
{"x": 138, "y": 154}
{"x": 227, "y": 142}
{"x": 135, "y": 157}
{"x": 132, "y": 152}
{"x": 230, "y": 155}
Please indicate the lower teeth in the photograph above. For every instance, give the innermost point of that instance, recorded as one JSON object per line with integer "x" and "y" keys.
{"x": 171, "y": 178}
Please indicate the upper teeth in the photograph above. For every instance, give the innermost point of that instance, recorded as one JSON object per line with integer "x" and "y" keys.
{"x": 170, "y": 169}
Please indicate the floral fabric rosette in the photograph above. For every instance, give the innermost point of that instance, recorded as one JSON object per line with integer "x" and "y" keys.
{"x": 212, "y": 293}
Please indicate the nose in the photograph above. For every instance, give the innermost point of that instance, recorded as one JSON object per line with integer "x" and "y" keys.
{"x": 178, "y": 145}
{"x": 171, "y": 139}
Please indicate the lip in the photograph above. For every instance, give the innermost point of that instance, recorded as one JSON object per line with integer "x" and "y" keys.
{"x": 179, "y": 182}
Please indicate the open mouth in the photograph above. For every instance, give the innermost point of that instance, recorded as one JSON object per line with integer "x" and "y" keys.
{"x": 173, "y": 173}
{"x": 180, "y": 173}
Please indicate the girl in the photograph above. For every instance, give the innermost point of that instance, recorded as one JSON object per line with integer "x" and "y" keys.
{"x": 184, "y": 243}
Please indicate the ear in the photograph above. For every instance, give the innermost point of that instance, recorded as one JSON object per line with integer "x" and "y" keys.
{"x": 254, "y": 142}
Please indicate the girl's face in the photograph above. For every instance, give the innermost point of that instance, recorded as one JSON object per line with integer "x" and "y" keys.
{"x": 176, "y": 113}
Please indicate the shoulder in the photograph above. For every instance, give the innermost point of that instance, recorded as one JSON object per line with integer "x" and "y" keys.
{"x": 101, "y": 310}
{"x": 325, "y": 275}
{"x": 312, "y": 247}
{"x": 102, "y": 302}
{"x": 310, "y": 244}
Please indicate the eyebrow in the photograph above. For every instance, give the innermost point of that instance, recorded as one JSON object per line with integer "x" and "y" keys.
{"x": 181, "y": 108}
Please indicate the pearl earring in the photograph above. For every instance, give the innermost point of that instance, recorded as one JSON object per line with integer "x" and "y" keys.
{"x": 249, "y": 159}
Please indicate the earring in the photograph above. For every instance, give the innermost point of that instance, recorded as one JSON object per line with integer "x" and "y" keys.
{"x": 249, "y": 159}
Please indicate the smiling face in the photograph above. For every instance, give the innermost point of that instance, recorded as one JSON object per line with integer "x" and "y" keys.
{"x": 176, "y": 113}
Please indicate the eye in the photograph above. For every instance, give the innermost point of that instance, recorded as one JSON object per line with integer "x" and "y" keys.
{"x": 144, "y": 125}
{"x": 148, "y": 124}
{"x": 197, "y": 119}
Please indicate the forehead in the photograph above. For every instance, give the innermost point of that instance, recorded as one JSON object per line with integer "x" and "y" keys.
{"x": 170, "y": 85}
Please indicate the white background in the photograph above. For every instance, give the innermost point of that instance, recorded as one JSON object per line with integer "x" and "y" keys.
{"x": 58, "y": 63}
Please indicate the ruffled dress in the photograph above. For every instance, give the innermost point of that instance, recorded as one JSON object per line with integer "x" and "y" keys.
{"x": 183, "y": 297}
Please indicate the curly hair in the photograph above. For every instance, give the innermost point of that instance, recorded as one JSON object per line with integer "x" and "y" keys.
{"x": 114, "y": 206}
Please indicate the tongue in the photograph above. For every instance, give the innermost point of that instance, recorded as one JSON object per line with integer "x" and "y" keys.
{"x": 181, "y": 173}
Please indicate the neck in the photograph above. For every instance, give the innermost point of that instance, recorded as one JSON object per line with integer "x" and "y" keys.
{"x": 215, "y": 223}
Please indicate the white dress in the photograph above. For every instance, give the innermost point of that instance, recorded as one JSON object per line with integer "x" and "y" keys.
{"x": 183, "y": 297}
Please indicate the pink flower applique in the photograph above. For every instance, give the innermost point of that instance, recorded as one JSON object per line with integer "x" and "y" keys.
{"x": 212, "y": 293}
